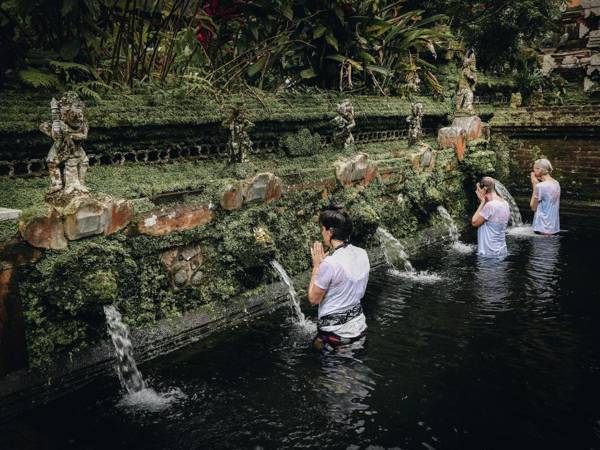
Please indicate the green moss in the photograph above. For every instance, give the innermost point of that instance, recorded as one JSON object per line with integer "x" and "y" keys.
{"x": 38, "y": 210}
{"x": 302, "y": 143}
{"x": 8, "y": 229}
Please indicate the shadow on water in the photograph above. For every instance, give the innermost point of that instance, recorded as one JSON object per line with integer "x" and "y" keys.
{"x": 493, "y": 354}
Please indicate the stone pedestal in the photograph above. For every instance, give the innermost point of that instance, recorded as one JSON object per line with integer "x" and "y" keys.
{"x": 264, "y": 187}
{"x": 464, "y": 129}
{"x": 356, "y": 170}
{"x": 423, "y": 157}
{"x": 471, "y": 124}
{"x": 453, "y": 137}
{"x": 52, "y": 226}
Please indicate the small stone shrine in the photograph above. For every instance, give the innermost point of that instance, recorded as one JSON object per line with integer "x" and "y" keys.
{"x": 70, "y": 211}
{"x": 466, "y": 126}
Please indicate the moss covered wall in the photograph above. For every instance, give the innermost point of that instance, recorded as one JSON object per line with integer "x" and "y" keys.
{"x": 63, "y": 292}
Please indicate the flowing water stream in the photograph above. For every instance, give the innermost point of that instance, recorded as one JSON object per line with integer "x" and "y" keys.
{"x": 457, "y": 244}
{"x": 130, "y": 377}
{"x": 515, "y": 215}
{"x": 394, "y": 252}
{"x": 294, "y": 300}
{"x": 139, "y": 396}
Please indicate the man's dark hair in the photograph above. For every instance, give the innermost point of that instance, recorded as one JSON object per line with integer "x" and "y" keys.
{"x": 336, "y": 219}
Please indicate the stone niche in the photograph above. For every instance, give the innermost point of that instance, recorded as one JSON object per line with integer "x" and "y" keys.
{"x": 52, "y": 226}
{"x": 183, "y": 266}
{"x": 356, "y": 170}
{"x": 264, "y": 187}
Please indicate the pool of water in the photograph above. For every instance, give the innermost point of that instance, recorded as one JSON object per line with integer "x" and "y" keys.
{"x": 466, "y": 354}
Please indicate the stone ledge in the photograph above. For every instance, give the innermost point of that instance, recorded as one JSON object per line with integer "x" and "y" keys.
{"x": 356, "y": 170}
{"x": 9, "y": 214}
{"x": 25, "y": 389}
{"x": 165, "y": 221}
{"x": 51, "y": 227}
{"x": 264, "y": 187}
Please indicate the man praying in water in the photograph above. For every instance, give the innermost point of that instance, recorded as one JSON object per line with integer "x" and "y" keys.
{"x": 338, "y": 282}
{"x": 491, "y": 219}
{"x": 545, "y": 199}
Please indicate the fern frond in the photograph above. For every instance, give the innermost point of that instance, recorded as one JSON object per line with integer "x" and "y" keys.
{"x": 38, "y": 79}
{"x": 85, "y": 91}
{"x": 67, "y": 66}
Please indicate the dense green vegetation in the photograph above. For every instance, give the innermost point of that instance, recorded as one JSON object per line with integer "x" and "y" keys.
{"x": 378, "y": 46}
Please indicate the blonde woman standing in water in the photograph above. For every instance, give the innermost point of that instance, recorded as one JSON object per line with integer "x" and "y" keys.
{"x": 545, "y": 199}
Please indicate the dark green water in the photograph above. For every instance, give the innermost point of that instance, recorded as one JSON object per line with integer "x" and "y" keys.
{"x": 492, "y": 355}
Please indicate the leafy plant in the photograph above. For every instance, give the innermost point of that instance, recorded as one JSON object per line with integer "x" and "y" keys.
{"x": 302, "y": 143}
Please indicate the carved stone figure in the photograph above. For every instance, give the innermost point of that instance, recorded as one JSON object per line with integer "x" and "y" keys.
{"x": 344, "y": 122}
{"x": 68, "y": 128}
{"x": 415, "y": 123}
{"x": 466, "y": 84}
{"x": 413, "y": 82}
{"x": 239, "y": 144}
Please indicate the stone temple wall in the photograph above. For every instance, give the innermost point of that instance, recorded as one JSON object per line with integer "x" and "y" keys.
{"x": 197, "y": 235}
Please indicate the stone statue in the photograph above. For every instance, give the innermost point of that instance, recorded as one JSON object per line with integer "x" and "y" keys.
{"x": 344, "y": 122}
{"x": 239, "y": 144}
{"x": 466, "y": 84}
{"x": 415, "y": 123}
{"x": 68, "y": 128}
{"x": 413, "y": 82}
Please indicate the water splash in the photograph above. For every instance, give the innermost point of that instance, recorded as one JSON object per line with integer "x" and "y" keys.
{"x": 129, "y": 375}
{"x": 294, "y": 301}
{"x": 524, "y": 230}
{"x": 463, "y": 248}
{"x": 449, "y": 221}
{"x": 148, "y": 400}
{"x": 421, "y": 276}
{"x": 139, "y": 396}
{"x": 457, "y": 245}
{"x": 515, "y": 215}
{"x": 393, "y": 250}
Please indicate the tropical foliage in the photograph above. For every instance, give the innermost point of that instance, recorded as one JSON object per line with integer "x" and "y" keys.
{"x": 498, "y": 29}
{"x": 92, "y": 45}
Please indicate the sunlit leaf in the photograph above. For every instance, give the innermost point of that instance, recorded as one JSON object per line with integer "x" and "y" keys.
{"x": 338, "y": 58}
{"x": 319, "y": 32}
{"x": 257, "y": 66}
{"x": 331, "y": 40}
{"x": 287, "y": 11}
{"x": 308, "y": 73}
{"x": 379, "y": 69}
